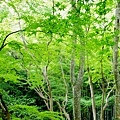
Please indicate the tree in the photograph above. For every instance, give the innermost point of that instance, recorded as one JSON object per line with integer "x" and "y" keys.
{"x": 116, "y": 61}
{"x": 77, "y": 39}
{"x": 58, "y": 56}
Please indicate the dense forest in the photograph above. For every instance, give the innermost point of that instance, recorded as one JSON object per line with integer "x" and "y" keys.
{"x": 59, "y": 60}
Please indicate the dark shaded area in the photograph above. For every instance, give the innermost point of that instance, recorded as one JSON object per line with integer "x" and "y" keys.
{"x": 4, "y": 113}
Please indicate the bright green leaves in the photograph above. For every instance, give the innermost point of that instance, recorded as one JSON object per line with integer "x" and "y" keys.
{"x": 31, "y": 112}
{"x": 49, "y": 38}
{"x": 54, "y": 24}
{"x": 8, "y": 66}
{"x": 3, "y": 13}
{"x": 34, "y": 77}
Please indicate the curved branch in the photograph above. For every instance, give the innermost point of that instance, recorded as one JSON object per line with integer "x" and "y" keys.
{"x": 3, "y": 43}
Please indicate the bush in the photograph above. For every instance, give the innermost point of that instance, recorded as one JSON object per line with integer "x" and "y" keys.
{"x": 31, "y": 113}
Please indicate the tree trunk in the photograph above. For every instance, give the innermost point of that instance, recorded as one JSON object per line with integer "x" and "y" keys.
{"x": 49, "y": 88}
{"x": 77, "y": 85}
{"x": 93, "y": 99}
{"x": 92, "y": 94}
{"x": 5, "y": 113}
{"x": 77, "y": 82}
{"x": 76, "y": 102}
{"x": 102, "y": 105}
{"x": 91, "y": 90}
{"x": 77, "y": 91}
{"x": 102, "y": 88}
{"x": 116, "y": 62}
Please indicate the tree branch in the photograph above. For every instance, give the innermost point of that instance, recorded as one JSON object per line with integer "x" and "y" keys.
{"x": 3, "y": 43}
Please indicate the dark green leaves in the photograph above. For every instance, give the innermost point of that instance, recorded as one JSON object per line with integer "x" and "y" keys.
{"x": 15, "y": 45}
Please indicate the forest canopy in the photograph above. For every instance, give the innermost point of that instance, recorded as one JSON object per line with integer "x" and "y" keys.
{"x": 59, "y": 59}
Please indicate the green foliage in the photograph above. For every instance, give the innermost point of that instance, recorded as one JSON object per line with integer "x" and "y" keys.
{"x": 31, "y": 112}
{"x": 15, "y": 45}
{"x": 3, "y": 13}
{"x": 49, "y": 35}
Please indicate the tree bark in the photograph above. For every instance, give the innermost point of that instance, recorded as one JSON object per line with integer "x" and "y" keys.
{"x": 102, "y": 88}
{"x": 92, "y": 94}
{"x": 77, "y": 85}
{"x": 116, "y": 62}
{"x": 49, "y": 88}
{"x": 77, "y": 94}
{"x": 77, "y": 82}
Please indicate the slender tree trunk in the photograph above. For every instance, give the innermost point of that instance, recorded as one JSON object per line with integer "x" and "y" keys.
{"x": 102, "y": 105}
{"x": 72, "y": 76}
{"x": 64, "y": 103}
{"x": 93, "y": 99}
{"x": 103, "y": 89}
{"x": 92, "y": 94}
{"x": 77, "y": 90}
{"x": 62, "y": 109}
{"x": 76, "y": 102}
{"x": 77, "y": 85}
{"x": 77, "y": 82}
{"x": 49, "y": 88}
{"x": 116, "y": 62}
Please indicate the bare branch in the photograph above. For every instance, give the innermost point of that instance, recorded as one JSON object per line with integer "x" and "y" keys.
{"x": 108, "y": 95}
{"x": 3, "y": 43}
{"x": 65, "y": 84}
